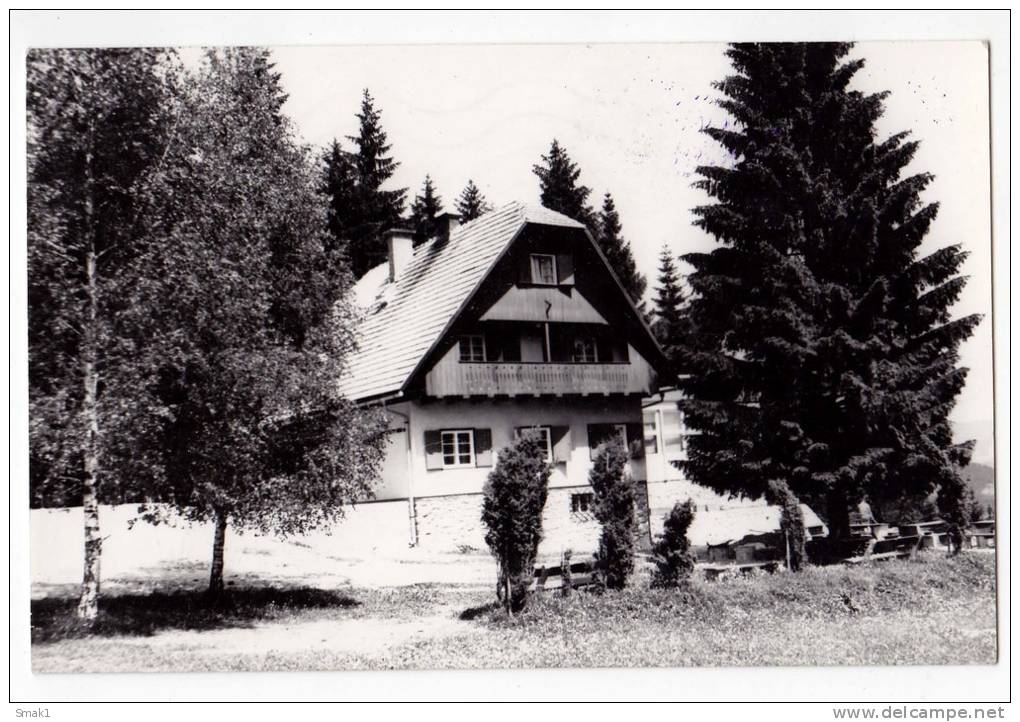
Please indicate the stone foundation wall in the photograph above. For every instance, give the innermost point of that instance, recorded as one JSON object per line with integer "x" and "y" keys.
{"x": 452, "y": 523}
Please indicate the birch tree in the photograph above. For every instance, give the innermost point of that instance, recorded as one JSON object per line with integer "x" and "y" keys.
{"x": 97, "y": 128}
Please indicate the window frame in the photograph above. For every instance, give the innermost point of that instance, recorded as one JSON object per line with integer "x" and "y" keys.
{"x": 457, "y": 453}
{"x": 470, "y": 338}
{"x": 533, "y": 258}
{"x": 549, "y": 451}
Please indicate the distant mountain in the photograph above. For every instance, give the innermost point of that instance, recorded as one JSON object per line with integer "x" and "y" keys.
{"x": 981, "y": 478}
{"x": 982, "y": 432}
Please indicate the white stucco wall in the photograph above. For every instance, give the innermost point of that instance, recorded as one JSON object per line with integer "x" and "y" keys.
{"x": 502, "y": 417}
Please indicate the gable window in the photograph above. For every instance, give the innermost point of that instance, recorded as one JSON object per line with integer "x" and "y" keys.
{"x": 472, "y": 347}
{"x": 458, "y": 448}
{"x": 584, "y": 350}
{"x": 544, "y": 436}
{"x": 543, "y": 269}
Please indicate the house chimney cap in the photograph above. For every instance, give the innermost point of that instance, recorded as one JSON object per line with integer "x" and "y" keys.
{"x": 397, "y": 232}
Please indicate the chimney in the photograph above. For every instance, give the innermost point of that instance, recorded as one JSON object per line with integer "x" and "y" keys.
{"x": 400, "y": 247}
{"x": 447, "y": 223}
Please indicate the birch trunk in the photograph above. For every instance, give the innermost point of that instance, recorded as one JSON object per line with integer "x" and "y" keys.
{"x": 88, "y": 604}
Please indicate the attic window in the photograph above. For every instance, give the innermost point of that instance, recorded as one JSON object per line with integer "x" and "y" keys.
{"x": 543, "y": 269}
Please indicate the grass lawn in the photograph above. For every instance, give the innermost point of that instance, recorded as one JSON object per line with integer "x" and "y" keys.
{"x": 931, "y": 610}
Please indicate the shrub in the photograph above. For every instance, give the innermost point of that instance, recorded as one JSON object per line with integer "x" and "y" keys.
{"x": 514, "y": 496}
{"x": 614, "y": 509}
{"x": 791, "y": 523}
{"x": 954, "y": 508}
{"x": 674, "y": 561}
{"x": 566, "y": 576}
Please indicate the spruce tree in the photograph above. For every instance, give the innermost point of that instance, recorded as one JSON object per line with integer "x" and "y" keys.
{"x": 558, "y": 181}
{"x": 339, "y": 185}
{"x": 669, "y": 321}
{"x": 427, "y": 205}
{"x": 471, "y": 204}
{"x": 824, "y": 352}
{"x": 617, "y": 250}
{"x": 360, "y": 214}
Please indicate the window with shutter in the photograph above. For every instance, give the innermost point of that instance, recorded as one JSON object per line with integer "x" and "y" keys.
{"x": 449, "y": 449}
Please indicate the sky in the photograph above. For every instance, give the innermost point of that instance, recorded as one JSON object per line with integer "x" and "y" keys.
{"x": 629, "y": 115}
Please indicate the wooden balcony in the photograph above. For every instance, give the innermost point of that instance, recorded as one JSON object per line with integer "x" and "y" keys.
{"x": 537, "y": 379}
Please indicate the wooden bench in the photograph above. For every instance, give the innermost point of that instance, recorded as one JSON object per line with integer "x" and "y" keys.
{"x": 716, "y": 570}
{"x": 550, "y": 576}
{"x": 899, "y": 547}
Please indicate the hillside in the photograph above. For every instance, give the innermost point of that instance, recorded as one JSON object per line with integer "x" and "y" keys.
{"x": 981, "y": 478}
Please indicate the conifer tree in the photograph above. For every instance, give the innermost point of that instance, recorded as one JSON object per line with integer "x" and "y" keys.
{"x": 471, "y": 204}
{"x": 791, "y": 523}
{"x": 617, "y": 250}
{"x": 669, "y": 322}
{"x": 614, "y": 510}
{"x": 513, "y": 498}
{"x": 339, "y": 186}
{"x": 427, "y": 205}
{"x": 362, "y": 214}
{"x": 674, "y": 560}
{"x": 560, "y": 188}
{"x": 824, "y": 349}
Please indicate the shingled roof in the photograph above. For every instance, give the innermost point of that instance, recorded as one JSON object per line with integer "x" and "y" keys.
{"x": 405, "y": 319}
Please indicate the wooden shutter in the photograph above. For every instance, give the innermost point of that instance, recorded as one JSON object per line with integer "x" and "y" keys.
{"x": 433, "y": 450}
{"x": 565, "y": 269}
{"x": 524, "y": 270}
{"x": 483, "y": 447}
{"x": 561, "y": 443}
{"x": 636, "y": 440}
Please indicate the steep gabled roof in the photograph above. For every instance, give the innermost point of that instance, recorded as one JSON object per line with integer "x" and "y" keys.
{"x": 403, "y": 320}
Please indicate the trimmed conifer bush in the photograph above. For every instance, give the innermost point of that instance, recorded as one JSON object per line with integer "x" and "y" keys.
{"x": 791, "y": 523}
{"x": 614, "y": 509}
{"x": 674, "y": 561}
{"x": 514, "y": 497}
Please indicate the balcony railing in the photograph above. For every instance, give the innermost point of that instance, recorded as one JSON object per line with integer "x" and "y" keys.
{"x": 536, "y": 379}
